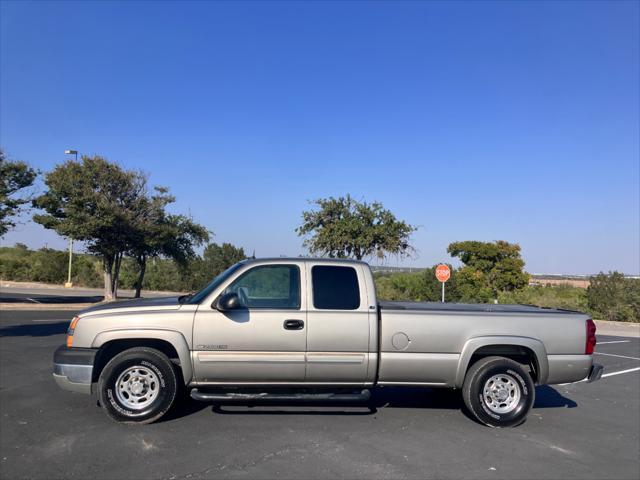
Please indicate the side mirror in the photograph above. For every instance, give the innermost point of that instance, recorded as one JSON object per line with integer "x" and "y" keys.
{"x": 227, "y": 301}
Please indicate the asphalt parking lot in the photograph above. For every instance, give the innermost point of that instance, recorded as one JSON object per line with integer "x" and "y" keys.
{"x": 574, "y": 431}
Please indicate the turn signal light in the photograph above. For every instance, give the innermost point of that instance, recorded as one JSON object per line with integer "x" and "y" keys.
{"x": 591, "y": 338}
{"x": 72, "y": 328}
{"x": 72, "y": 325}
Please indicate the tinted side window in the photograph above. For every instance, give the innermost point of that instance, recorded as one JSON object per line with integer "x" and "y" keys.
{"x": 335, "y": 288}
{"x": 269, "y": 286}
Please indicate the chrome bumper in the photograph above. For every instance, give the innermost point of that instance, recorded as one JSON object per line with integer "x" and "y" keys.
{"x": 73, "y": 368}
{"x": 595, "y": 373}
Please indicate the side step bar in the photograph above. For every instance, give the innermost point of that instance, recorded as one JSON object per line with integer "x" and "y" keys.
{"x": 362, "y": 396}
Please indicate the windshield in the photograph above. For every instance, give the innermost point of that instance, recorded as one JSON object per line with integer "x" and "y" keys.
{"x": 215, "y": 283}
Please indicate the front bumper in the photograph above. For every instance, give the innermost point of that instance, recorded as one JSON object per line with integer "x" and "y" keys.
{"x": 73, "y": 368}
{"x": 595, "y": 373}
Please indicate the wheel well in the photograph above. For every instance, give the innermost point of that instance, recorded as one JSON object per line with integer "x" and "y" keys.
{"x": 523, "y": 355}
{"x": 114, "y": 347}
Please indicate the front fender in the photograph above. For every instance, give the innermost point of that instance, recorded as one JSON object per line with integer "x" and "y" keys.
{"x": 473, "y": 344}
{"x": 174, "y": 338}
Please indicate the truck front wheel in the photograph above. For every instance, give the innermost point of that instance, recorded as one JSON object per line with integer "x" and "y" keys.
{"x": 498, "y": 392}
{"x": 137, "y": 386}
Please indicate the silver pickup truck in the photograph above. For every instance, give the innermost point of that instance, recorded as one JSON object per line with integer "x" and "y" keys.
{"x": 312, "y": 329}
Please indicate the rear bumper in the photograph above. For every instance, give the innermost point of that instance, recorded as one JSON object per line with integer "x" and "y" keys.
{"x": 595, "y": 373}
{"x": 568, "y": 368}
{"x": 73, "y": 368}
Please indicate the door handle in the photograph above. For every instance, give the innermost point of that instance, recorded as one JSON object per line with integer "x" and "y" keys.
{"x": 293, "y": 325}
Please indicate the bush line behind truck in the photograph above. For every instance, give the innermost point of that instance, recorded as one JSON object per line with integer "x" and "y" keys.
{"x": 310, "y": 329}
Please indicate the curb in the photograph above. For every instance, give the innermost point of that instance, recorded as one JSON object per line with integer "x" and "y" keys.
{"x": 621, "y": 324}
{"x": 76, "y": 288}
{"x": 45, "y": 306}
{"x": 617, "y": 329}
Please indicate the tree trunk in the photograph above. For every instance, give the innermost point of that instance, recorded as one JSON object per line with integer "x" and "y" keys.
{"x": 116, "y": 274}
{"x": 107, "y": 268}
{"x": 142, "y": 266}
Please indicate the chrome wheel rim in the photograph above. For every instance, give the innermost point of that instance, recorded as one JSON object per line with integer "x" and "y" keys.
{"x": 501, "y": 393}
{"x": 137, "y": 387}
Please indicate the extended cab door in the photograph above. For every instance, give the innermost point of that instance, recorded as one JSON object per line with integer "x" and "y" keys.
{"x": 339, "y": 325}
{"x": 263, "y": 342}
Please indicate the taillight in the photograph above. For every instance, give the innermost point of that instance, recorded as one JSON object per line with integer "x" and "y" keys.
{"x": 591, "y": 338}
{"x": 71, "y": 330}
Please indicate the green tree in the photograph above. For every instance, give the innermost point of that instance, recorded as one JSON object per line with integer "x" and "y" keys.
{"x": 14, "y": 176}
{"x": 156, "y": 233}
{"x": 345, "y": 228}
{"x": 164, "y": 275}
{"x": 95, "y": 201}
{"x": 489, "y": 268}
{"x": 215, "y": 259}
{"x": 614, "y": 297}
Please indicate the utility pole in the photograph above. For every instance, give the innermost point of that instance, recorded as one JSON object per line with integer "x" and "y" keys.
{"x": 69, "y": 284}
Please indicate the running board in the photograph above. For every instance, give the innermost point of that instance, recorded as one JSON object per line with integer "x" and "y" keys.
{"x": 363, "y": 396}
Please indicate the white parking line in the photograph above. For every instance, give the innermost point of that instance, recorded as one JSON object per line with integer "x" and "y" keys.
{"x": 619, "y": 356}
{"x": 620, "y": 372}
{"x": 615, "y": 341}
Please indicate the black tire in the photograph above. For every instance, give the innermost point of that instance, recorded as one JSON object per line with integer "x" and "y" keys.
{"x": 493, "y": 411}
{"x": 163, "y": 392}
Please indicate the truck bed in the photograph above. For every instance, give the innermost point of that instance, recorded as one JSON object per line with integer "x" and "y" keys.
{"x": 469, "y": 307}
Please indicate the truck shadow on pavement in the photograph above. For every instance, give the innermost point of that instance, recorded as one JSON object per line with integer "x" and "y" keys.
{"x": 549, "y": 397}
{"x": 35, "y": 329}
{"x": 388, "y": 397}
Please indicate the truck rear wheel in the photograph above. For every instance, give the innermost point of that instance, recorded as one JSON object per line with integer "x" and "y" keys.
{"x": 498, "y": 392}
{"x": 137, "y": 386}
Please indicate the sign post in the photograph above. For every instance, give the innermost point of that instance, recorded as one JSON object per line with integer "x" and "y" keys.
{"x": 443, "y": 273}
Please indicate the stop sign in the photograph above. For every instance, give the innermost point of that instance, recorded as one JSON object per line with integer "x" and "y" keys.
{"x": 443, "y": 273}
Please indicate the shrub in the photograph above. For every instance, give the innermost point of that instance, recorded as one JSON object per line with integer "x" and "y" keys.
{"x": 420, "y": 286}
{"x": 614, "y": 297}
{"x": 553, "y": 296}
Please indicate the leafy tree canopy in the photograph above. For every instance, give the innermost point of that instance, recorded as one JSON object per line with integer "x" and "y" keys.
{"x": 14, "y": 176}
{"x": 156, "y": 233}
{"x": 92, "y": 200}
{"x": 218, "y": 258}
{"x": 345, "y": 228}
{"x": 215, "y": 259}
{"x": 489, "y": 268}
{"x": 98, "y": 202}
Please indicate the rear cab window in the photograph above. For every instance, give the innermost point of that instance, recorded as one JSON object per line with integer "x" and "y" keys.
{"x": 335, "y": 287}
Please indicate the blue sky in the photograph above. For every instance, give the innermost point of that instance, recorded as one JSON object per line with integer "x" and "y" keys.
{"x": 508, "y": 120}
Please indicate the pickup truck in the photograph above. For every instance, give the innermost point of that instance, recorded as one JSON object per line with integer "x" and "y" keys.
{"x": 312, "y": 329}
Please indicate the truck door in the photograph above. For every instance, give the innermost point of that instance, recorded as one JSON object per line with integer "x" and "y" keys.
{"x": 263, "y": 342}
{"x": 338, "y": 325}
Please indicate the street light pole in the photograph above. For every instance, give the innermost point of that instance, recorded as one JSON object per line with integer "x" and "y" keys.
{"x": 69, "y": 284}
